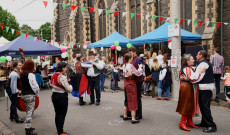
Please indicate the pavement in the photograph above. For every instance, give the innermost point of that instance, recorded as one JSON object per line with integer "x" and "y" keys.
{"x": 159, "y": 117}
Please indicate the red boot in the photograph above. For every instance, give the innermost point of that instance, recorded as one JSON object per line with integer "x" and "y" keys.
{"x": 190, "y": 122}
{"x": 182, "y": 124}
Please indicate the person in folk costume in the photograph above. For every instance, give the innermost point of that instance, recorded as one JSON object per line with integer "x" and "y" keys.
{"x": 61, "y": 88}
{"x": 139, "y": 80}
{"x": 189, "y": 93}
{"x": 80, "y": 82}
{"x": 13, "y": 85}
{"x": 30, "y": 89}
{"x": 206, "y": 86}
{"x": 131, "y": 88}
{"x": 226, "y": 77}
{"x": 94, "y": 67}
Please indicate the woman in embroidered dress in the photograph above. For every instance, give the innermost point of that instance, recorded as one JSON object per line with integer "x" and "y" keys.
{"x": 30, "y": 89}
{"x": 61, "y": 88}
{"x": 188, "y": 95}
{"x": 130, "y": 88}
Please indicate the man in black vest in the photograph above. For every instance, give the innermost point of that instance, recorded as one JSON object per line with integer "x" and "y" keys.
{"x": 206, "y": 86}
{"x": 93, "y": 73}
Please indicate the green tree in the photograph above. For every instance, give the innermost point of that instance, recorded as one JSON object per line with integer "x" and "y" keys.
{"x": 27, "y": 30}
{"x": 7, "y": 19}
{"x": 45, "y": 29}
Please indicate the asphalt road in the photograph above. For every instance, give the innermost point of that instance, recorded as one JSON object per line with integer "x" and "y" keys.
{"x": 159, "y": 117}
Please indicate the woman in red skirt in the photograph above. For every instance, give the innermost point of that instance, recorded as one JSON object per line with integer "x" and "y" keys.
{"x": 130, "y": 87}
{"x": 188, "y": 95}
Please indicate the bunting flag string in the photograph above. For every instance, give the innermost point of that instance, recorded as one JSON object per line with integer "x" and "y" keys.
{"x": 115, "y": 13}
{"x": 91, "y": 10}
{"x": 181, "y": 21}
{"x": 161, "y": 18}
{"x": 138, "y": 16}
{"x": 64, "y": 6}
{"x": 176, "y": 20}
{"x": 82, "y": 9}
{"x": 154, "y": 17}
{"x": 45, "y": 3}
{"x": 124, "y": 13}
{"x": 201, "y": 22}
{"x": 73, "y": 8}
{"x": 7, "y": 29}
{"x": 132, "y": 15}
{"x": 100, "y": 11}
{"x": 108, "y": 12}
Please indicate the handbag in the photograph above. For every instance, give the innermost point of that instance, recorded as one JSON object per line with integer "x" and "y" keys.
{"x": 148, "y": 78}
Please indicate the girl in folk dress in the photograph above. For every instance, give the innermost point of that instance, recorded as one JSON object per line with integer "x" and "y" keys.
{"x": 130, "y": 88}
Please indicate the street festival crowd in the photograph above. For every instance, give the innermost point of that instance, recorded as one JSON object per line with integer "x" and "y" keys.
{"x": 82, "y": 78}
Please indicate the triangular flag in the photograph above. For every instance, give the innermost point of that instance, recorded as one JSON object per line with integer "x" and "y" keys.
{"x": 207, "y": 23}
{"x": 39, "y": 39}
{"x": 213, "y": 23}
{"x": 91, "y": 10}
{"x": 46, "y": 41}
{"x": 147, "y": 17}
{"x": 73, "y": 7}
{"x": 59, "y": 44}
{"x": 138, "y": 16}
{"x": 154, "y": 17}
{"x": 161, "y": 18}
{"x": 132, "y": 15}
{"x": 31, "y": 37}
{"x": 12, "y": 31}
{"x": 1, "y": 26}
{"x": 115, "y": 13}
{"x": 108, "y": 12}
{"x": 22, "y": 34}
{"x": 35, "y": 39}
{"x": 54, "y": 5}
{"x": 124, "y": 13}
{"x": 7, "y": 29}
{"x": 181, "y": 21}
{"x": 219, "y": 24}
{"x": 50, "y": 42}
{"x": 176, "y": 20}
{"x": 82, "y": 9}
{"x": 188, "y": 21}
{"x": 201, "y": 22}
{"x": 17, "y": 32}
{"x": 195, "y": 22}
{"x": 226, "y": 23}
{"x": 100, "y": 11}
{"x": 167, "y": 19}
{"x": 27, "y": 35}
{"x": 229, "y": 25}
{"x": 64, "y": 6}
{"x": 45, "y": 3}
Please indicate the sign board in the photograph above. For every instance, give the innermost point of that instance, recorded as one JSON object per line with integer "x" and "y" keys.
{"x": 173, "y": 61}
{"x": 173, "y": 30}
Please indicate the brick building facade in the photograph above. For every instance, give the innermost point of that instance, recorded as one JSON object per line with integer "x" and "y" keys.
{"x": 69, "y": 26}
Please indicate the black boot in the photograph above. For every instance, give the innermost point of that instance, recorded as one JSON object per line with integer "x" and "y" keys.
{"x": 18, "y": 120}
{"x": 12, "y": 117}
{"x": 29, "y": 131}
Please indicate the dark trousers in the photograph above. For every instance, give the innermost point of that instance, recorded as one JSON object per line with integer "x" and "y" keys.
{"x": 94, "y": 83}
{"x": 13, "y": 106}
{"x": 81, "y": 100}
{"x": 204, "y": 103}
{"x": 60, "y": 102}
{"x": 139, "y": 89}
{"x": 102, "y": 78}
{"x": 217, "y": 82}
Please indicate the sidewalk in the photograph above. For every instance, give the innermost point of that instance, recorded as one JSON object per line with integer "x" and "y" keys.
{"x": 4, "y": 130}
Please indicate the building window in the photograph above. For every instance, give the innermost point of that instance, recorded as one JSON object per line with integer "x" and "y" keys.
{"x": 102, "y": 20}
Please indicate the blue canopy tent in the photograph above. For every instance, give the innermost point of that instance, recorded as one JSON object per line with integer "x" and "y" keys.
{"x": 29, "y": 46}
{"x": 161, "y": 35}
{"x": 110, "y": 40}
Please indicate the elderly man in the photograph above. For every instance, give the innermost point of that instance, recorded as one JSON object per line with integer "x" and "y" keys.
{"x": 94, "y": 67}
{"x": 206, "y": 86}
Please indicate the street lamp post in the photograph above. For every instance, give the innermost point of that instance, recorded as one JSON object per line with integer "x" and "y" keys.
{"x": 176, "y": 49}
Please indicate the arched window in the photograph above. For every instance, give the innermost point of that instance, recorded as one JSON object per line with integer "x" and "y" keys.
{"x": 135, "y": 23}
{"x": 102, "y": 20}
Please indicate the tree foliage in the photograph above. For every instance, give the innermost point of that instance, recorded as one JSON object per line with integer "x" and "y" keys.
{"x": 45, "y": 29}
{"x": 7, "y": 19}
{"x": 27, "y": 29}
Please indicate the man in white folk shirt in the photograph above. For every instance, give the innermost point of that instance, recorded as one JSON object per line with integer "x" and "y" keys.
{"x": 94, "y": 68}
{"x": 206, "y": 86}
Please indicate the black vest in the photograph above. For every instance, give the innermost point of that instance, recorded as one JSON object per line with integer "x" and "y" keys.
{"x": 96, "y": 70}
{"x": 26, "y": 88}
{"x": 208, "y": 77}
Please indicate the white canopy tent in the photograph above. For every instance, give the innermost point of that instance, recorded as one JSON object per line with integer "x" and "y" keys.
{"x": 3, "y": 41}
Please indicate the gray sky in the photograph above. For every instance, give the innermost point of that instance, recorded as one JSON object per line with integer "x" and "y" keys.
{"x": 33, "y": 15}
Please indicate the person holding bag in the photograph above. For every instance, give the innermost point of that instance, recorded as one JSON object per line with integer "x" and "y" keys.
{"x": 12, "y": 89}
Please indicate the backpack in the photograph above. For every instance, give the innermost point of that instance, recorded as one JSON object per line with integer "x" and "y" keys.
{"x": 168, "y": 78}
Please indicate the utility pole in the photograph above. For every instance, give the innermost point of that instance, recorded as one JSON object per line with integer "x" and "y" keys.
{"x": 176, "y": 48}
